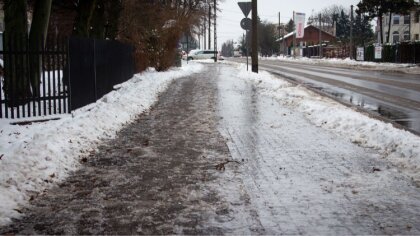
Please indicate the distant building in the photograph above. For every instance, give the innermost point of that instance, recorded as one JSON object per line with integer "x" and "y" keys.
{"x": 311, "y": 37}
{"x": 415, "y": 24}
{"x": 404, "y": 28}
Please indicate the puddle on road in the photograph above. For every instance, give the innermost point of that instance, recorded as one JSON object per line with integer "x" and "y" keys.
{"x": 406, "y": 118}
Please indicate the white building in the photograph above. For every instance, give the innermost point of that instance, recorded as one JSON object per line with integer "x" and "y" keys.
{"x": 415, "y": 25}
{"x": 403, "y": 27}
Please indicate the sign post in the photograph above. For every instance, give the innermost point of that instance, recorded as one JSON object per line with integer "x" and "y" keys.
{"x": 246, "y": 24}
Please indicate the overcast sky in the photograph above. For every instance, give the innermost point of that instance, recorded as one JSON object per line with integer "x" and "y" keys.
{"x": 231, "y": 15}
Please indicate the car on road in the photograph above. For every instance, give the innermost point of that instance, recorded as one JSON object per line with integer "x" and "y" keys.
{"x": 237, "y": 53}
{"x": 204, "y": 54}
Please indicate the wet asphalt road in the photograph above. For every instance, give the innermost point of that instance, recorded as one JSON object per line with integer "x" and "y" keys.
{"x": 159, "y": 175}
{"x": 394, "y": 96}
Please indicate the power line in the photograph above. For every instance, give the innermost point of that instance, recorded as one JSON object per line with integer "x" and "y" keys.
{"x": 240, "y": 13}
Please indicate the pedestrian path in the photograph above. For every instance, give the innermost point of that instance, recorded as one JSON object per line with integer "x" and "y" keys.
{"x": 217, "y": 156}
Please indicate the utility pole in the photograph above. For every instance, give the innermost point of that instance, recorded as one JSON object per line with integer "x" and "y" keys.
{"x": 204, "y": 34}
{"x": 279, "y": 32}
{"x": 246, "y": 48}
{"x": 215, "y": 31}
{"x": 254, "y": 36}
{"x": 320, "y": 38}
{"x": 209, "y": 25}
{"x": 351, "y": 32}
{"x": 294, "y": 35}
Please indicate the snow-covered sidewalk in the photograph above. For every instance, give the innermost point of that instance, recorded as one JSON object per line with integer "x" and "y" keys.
{"x": 33, "y": 157}
{"x": 399, "y": 146}
{"x": 312, "y": 166}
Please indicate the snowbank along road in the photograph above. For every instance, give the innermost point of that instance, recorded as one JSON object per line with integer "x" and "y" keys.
{"x": 219, "y": 155}
{"x": 395, "y": 96}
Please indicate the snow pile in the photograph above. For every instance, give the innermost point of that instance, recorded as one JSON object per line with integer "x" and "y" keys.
{"x": 401, "y": 147}
{"x": 33, "y": 157}
{"x": 347, "y": 62}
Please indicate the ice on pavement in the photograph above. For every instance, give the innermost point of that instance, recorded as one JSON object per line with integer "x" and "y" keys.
{"x": 305, "y": 168}
{"x": 35, "y": 156}
{"x": 399, "y": 146}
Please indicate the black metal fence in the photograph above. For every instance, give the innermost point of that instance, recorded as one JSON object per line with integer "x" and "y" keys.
{"x": 396, "y": 53}
{"x": 96, "y": 66}
{"x": 60, "y": 77}
{"x": 32, "y": 78}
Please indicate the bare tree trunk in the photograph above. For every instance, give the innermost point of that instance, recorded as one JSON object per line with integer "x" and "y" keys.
{"x": 113, "y": 10}
{"x": 97, "y": 24}
{"x": 381, "y": 29}
{"x": 16, "y": 84}
{"x": 389, "y": 28}
{"x": 85, "y": 11}
{"x": 37, "y": 39}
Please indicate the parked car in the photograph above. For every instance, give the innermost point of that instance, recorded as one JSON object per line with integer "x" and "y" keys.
{"x": 185, "y": 54}
{"x": 237, "y": 53}
{"x": 203, "y": 54}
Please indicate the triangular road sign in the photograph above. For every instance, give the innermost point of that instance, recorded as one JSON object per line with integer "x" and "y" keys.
{"x": 245, "y": 7}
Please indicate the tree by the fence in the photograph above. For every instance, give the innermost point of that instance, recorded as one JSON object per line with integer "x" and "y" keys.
{"x": 112, "y": 13}
{"x": 16, "y": 85}
{"x": 37, "y": 39}
{"x": 98, "y": 21}
{"x": 85, "y": 11}
{"x": 155, "y": 28}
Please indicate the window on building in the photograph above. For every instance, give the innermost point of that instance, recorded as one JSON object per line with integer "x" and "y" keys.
{"x": 417, "y": 17}
{"x": 406, "y": 19}
{"x": 396, "y": 20}
{"x": 406, "y": 36}
{"x": 416, "y": 37}
{"x": 395, "y": 37}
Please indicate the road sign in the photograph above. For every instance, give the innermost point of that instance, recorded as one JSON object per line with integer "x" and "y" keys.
{"x": 246, "y": 24}
{"x": 245, "y": 7}
{"x": 378, "y": 52}
{"x": 360, "y": 54}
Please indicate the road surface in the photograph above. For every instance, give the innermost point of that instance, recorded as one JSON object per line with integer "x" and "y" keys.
{"x": 166, "y": 173}
{"x": 395, "y": 96}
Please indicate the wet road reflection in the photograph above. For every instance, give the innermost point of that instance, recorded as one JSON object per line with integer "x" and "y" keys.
{"x": 394, "y": 96}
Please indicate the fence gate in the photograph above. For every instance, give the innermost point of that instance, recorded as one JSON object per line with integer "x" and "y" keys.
{"x": 32, "y": 81}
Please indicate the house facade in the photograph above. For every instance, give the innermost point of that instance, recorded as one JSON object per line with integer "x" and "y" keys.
{"x": 311, "y": 37}
{"x": 415, "y": 25}
{"x": 404, "y": 28}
